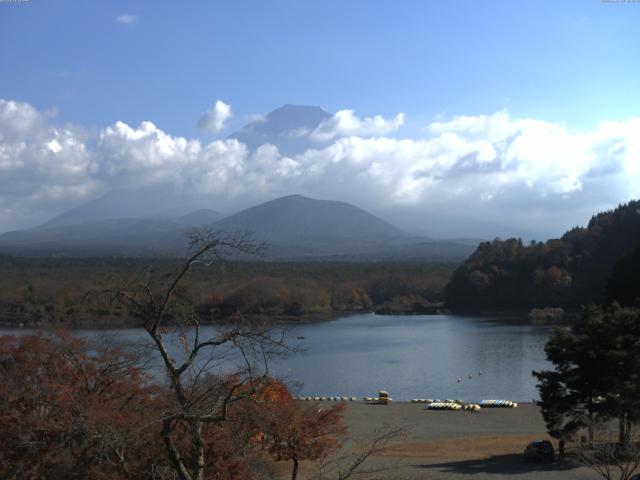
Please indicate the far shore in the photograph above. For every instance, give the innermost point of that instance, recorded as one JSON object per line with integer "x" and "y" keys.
{"x": 118, "y": 322}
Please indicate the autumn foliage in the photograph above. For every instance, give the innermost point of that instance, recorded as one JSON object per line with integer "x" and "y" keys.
{"x": 74, "y": 410}
{"x": 585, "y": 265}
{"x": 68, "y": 412}
{"x": 291, "y": 431}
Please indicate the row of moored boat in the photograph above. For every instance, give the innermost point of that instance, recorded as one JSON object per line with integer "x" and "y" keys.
{"x": 431, "y": 403}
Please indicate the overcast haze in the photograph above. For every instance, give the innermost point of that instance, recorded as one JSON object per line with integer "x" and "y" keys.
{"x": 525, "y": 116}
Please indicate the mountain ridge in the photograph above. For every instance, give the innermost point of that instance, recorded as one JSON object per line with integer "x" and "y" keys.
{"x": 294, "y": 226}
{"x": 296, "y": 217}
{"x": 570, "y": 271}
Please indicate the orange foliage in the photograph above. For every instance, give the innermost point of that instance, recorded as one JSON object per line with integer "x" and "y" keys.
{"x": 72, "y": 410}
{"x": 65, "y": 412}
{"x": 293, "y": 431}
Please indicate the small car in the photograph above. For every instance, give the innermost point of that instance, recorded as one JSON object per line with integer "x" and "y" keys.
{"x": 539, "y": 451}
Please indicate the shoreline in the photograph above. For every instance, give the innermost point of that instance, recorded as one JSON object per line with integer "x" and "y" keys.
{"x": 119, "y": 323}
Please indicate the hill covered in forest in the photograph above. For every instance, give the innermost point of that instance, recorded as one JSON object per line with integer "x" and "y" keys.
{"x": 590, "y": 264}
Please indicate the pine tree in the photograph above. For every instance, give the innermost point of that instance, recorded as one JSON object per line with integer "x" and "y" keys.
{"x": 597, "y": 373}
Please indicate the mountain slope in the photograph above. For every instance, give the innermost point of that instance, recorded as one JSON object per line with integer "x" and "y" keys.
{"x": 301, "y": 228}
{"x": 297, "y": 218}
{"x": 160, "y": 200}
{"x": 111, "y": 233}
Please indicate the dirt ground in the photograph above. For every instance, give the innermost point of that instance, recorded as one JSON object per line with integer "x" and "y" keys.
{"x": 457, "y": 445}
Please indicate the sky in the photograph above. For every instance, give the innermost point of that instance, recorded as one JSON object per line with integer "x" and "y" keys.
{"x": 513, "y": 112}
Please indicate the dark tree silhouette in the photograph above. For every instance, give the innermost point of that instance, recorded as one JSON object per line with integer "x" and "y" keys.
{"x": 596, "y": 375}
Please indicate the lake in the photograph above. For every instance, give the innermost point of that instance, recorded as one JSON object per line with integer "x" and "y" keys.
{"x": 419, "y": 357}
{"x": 435, "y": 356}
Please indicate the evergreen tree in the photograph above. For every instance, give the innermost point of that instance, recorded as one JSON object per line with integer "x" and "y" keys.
{"x": 597, "y": 373}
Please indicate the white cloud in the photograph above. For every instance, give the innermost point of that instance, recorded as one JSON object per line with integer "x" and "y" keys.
{"x": 127, "y": 19}
{"x": 345, "y": 123}
{"x": 488, "y": 166}
{"x": 214, "y": 120}
{"x": 19, "y": 121}
{"x": 40, "y": 164}
{"x": 142, "y": 155}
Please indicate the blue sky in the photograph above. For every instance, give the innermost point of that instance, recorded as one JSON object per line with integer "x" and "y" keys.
{"x": 569, "y": 61}
{"x": 516, "y": 112}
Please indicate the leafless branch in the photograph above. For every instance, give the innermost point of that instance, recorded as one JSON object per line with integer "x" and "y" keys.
{"x": 609, "y": 458}
{"x": 349, "y": 461}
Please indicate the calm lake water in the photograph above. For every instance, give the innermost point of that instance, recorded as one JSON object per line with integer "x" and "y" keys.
{"x": 410, "y": 356}
{"x": 419, "y": 357}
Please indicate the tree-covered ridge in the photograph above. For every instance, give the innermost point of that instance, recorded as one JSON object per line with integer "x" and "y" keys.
{"x": 566, "y": 272}
{"x": 51, "y": 291}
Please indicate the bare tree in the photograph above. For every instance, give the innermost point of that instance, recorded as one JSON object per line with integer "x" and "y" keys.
{"x": 352, "y": 459}
{"x": 608, "y": 457}
{"x": 202, "y": 385}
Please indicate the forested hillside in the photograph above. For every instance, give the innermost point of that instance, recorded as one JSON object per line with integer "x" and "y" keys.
{"x": 586, "y": 265}
{"x": 50, "y": 291}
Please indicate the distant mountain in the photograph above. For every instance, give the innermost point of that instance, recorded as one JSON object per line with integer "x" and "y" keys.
{"x": 444, "y": 225}
{"x": 162, "y": 200}
{"x": 202, "y": 216}
{"x": 295, "y": 218}
{"x": 110, "y": 234}
{"x": 300, "y": 228}
{"x": 285, "y": 128}
{"x": 294, "y": 228}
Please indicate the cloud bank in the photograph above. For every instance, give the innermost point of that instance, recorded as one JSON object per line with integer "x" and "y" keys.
{"x": 486, "y": 166}
{"x": 345, "y": 124}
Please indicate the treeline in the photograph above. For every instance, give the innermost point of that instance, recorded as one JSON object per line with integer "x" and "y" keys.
{"x": 57, "y": 291}
{"x": 596, "y": 264}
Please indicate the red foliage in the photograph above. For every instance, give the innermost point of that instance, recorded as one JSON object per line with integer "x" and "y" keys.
{"x": 72, "y": 410}
{"x": 294, "y": 431}
{"x": 66, "y": 412}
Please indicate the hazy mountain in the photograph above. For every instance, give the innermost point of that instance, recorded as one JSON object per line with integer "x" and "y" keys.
{"x": 297, "y": 218}
{"x": 294, "y": 227}
{"x": 284, "y": 127}
{"x": 160, "y": 200}
{"x": 297, "y": 227}
{"x": 438, "y": 225}
{"x": 111, "y": 234}
{"x": 203, "y": 216}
